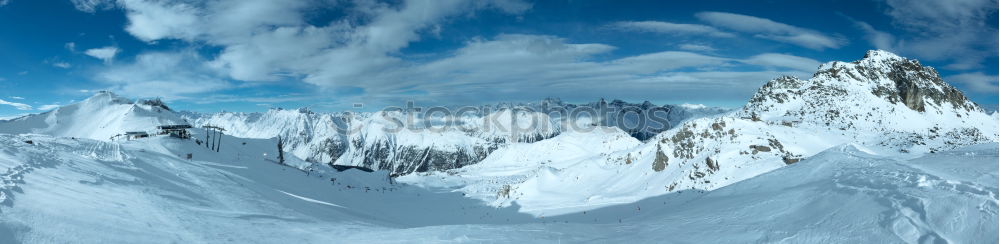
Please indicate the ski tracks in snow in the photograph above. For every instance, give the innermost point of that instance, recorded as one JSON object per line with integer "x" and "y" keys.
{"x": 908, "y": 217}
{"x": 310, "y": 199}
{"x": 105, "y": 151}
{"x": 48, "y": 156}
{"x": 11, "y": 178}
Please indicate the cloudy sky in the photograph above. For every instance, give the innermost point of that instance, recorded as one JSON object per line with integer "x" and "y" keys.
{"x": 249, "y": 55}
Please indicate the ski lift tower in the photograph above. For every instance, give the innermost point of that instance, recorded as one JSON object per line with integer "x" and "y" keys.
{"x": 213, "y": 137}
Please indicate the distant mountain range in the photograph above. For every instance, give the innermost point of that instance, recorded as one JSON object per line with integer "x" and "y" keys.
{"x": 882, "y": 104}
{"x": 320, "y": 137}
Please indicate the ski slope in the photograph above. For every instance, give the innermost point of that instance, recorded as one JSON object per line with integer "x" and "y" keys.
{"x": 887, "y": 104}
{"x": 59, "y": 190}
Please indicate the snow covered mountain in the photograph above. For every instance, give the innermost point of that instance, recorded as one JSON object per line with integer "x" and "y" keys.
{"x": 99, "y": 117}
{"x": 876, "y": 150}
{"x": 61, "y": 190}
{"x": 308, "y": 135}
{"x": 882, "y": 100}
{"x": 360, "y": 139}
{"x": 884, "y": 104}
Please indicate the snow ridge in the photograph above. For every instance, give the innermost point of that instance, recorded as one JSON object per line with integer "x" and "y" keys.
{"x": 883, "y": 104}
{"x": 99, "y": 117}
{"x": 359, "y": 139}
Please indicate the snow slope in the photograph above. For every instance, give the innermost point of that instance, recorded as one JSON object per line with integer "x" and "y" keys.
{"x": 872, "y": 151}
{"x": 890, "y": 105}
{"x": 360, "y": 138}
{"x": 99, "y": 117}
{"x": 309, "y": 135}
{"x": 79, "y": 190}
{"x": 60, "y": 190}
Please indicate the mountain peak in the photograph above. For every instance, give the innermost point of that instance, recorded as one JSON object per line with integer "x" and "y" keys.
{"x": 880, "y": 84}
{"x": 873, "y": 60}
{"x": 107, "y": 97}
{"x": 879, "y": 54}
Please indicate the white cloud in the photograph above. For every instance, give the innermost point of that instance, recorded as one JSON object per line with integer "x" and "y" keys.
{"x": 784, "y": 61}
{"x": 13, "y": 116}
{"x": 270, "y": 41}
{"x": 57, "y": 62}
{"x": 878, "y": 39}
{"x": 696, "y": 47}
{"x": 63, "y": 65}
{"x": 71, "y": 46}
{"x": 528, "y": 67}
{"x": 668, "y": 28}
{"x": 91, "y": 6}
{"x": 976, "y": 82}
{"x": 962, "y": 32}
{"x": 167, "y": 75}
{"x": 256, "y": 34}
{"x": 153, "y": 20}
{"x": 107, "y": 54}
{"x": 18, "y": 106}
{"x": 48, "y": 107}
{"x": 4, "y": 2}
{"x": 769, "y": 29}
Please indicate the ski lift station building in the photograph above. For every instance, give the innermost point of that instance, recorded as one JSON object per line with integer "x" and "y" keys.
{"x": 178, "y": 131}
{"x": 132, "y": 135}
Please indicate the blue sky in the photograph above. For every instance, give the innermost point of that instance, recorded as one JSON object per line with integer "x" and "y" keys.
{"x": 249, "y": 55}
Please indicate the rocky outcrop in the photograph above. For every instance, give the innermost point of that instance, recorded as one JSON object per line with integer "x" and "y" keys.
{"x": 881, "y": 94}
{"x": 660, "y": 162}
{"x": 325, "y": 138}
{"x": 883, "y": 101}
{"x": 912, "y": 84}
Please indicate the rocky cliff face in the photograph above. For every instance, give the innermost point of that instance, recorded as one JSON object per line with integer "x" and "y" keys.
{"x": 360, "y": 139}
{"x": 383, "y": 141}
{"x": 883, "y": 104}
{"x": 640, "y": 120}
{"x": 881, "y": 94}
{"x": 315, "y": 137}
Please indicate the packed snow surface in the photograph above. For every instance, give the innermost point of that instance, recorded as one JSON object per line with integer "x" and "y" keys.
{"x": 60, "y": 190}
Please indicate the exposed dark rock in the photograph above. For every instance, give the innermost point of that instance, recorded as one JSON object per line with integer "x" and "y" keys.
{"x": 684, "y": 143}
{"x": 915, "y": 85}
{"x": 408, "y": 159}
{"x": 341, "y": 168}
{"x": 775, "y": 144}
{"x": 504, "y": 192}
{"x": 712, "y": 165}
{"x": 718, "y": 125}
{"x": 660, "y": 163}
{"x": 790, "y": 160}
{"x": 156, "y": 102}
{"x": 760, "y": 148}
